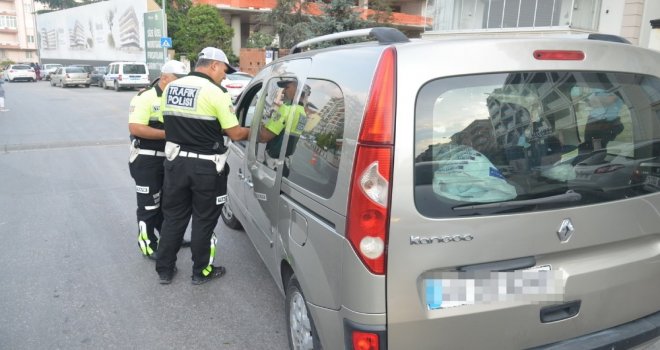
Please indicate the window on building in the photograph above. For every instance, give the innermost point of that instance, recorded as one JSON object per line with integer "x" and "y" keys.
{"x": 28, "y": 54}
{"x": 8, "y": 22}
{"x": 496, "y": 14}
{"x": 30, "y": 39}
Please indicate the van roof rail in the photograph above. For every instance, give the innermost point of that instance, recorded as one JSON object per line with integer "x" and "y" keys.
{"x": 608, "y": 37}
{"x": 384, "y": 35}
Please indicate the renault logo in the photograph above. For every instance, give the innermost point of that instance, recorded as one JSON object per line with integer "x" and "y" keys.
{"x": 565, "y": 230}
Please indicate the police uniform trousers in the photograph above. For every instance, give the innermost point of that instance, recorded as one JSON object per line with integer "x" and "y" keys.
{"x": 192, "y": 186}
{"x": 147, "y": 171}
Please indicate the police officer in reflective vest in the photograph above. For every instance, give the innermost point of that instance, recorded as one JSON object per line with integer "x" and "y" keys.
{"x": 145, "y": 123}
{"x": 196, "y": 113}
{"x": 272, "y": 130}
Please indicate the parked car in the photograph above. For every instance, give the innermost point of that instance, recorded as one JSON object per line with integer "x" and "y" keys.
{"x": 612, "y": 169}
{"x": 70, "y": 76}
{"x": 89, "y": 69}
{"x": 49, "y": 68}
{"x": 123, "y": 75}
{"x": 378, "y": 209}
{"x": 235, "y": 83}
{"x": 16, "y": 72}
{"x": 97, "y": 75}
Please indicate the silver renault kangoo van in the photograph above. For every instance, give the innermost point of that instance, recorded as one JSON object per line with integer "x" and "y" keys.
{"x": 468, "y": 193}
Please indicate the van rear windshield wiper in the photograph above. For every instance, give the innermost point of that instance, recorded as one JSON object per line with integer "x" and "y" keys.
{"x": 569, "y": 196}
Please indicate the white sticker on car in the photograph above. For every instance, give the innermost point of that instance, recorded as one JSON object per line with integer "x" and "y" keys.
{"x": 260, "y": 196}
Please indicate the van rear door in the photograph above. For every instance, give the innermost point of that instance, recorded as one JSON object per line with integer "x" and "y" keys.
{"x": 528, "y": 223}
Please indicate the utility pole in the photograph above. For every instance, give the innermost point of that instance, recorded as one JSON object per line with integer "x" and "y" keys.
{"x": 164, "y": 31}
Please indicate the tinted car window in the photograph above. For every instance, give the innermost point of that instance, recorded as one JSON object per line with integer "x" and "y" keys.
{"x": 20, "y": 67}
{"x": 134, "y": 69}
{"x": 314, "y": 161}
{"x": 75, "y": 70}
{"x": 534, "y": 141}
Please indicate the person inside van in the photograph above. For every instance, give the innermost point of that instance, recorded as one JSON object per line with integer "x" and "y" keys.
{"x": 604, "y": 122}
{"x": 271, "y": 132}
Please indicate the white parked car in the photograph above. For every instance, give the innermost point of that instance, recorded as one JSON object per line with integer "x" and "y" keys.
{"x": 235, "y": 83}
{"x": 20, "y": 72}
{"x": 49, "y": 68}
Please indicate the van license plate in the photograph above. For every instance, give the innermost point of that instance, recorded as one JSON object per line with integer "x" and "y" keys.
{"x": 484, "y": 287}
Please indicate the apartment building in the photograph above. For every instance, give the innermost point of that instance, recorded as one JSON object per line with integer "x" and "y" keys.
{"x": 628, "y": 18}
{"x": 18, "y": 35}
{"x": 243, "y": 15}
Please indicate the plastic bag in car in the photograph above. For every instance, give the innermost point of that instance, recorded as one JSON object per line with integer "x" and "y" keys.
{"x": 466, "y": 175}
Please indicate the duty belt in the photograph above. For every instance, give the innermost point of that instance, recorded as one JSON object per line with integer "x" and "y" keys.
{"x": 150, "y": 152}
{"x": 210, "y": 157}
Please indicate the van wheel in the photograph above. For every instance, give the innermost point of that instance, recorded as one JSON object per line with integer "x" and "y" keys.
{"x": 302, "y": 332}
{"x": 52, "y": 83}
{"x": 116, "y": 86}
{"x": 229, "y": 218}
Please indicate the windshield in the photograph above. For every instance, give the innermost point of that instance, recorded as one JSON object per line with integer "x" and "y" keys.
{"x": 535, "y": 141}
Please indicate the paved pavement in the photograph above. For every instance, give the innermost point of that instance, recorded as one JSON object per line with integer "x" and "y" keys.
{"x": 72, "y": 276}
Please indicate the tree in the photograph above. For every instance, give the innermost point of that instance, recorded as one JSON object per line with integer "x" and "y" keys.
{"x": 259, "y": 40}
{"x": 176, "y": 10}
{"x": 203, "y": 27}
{"x": 290, "y": 21}
{"x": 338, "y": 16}
{"x": 382, "y": 15}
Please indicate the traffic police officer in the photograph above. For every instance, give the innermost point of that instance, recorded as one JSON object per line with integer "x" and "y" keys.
{"x": 196, "y": 112}
{"x": 145, "y": 123}
{"x": 272, "y": 130}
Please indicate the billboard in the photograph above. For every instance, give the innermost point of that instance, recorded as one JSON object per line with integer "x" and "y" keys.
{"x": 105, "y": 31}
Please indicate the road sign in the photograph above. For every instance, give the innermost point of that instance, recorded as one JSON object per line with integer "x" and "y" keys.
{"x": 165, "y": 42}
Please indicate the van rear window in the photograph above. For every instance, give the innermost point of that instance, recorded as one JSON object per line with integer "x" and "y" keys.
{"x": 135, "y": 69}
{"x": 527, "y": 141}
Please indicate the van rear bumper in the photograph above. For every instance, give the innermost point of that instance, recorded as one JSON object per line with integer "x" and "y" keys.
{"x": 624, "y": 336}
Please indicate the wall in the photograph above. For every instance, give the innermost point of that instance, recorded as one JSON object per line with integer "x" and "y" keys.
{"x": 253, "y": 60}
{"x": 651, "y": 12}
{"x": 611, "y": 17}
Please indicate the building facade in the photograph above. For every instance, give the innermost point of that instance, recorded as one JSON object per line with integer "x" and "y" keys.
{"x": 627, "y": 18}
{"x": 18, "y": 35}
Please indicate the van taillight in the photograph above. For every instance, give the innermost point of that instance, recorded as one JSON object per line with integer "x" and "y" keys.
{"x": 558, "y": 55}
{"x": 369, "y": 203}
{"x": 365, "y": 341}
{"x": 119, "y": 77}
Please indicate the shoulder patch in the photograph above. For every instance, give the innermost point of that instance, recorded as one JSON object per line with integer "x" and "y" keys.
{"x": 182, "y": 96}
{"x": 145, "y": 90}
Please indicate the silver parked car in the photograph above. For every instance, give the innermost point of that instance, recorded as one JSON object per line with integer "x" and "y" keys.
{"x": 70, "y": 76}
{"x": 425, "y": 196}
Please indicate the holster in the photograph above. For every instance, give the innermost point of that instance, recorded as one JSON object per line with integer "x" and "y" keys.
{"x": 133, "y": 152}
{"x": 171, "y": 150}
{"x": 220, "y": 160}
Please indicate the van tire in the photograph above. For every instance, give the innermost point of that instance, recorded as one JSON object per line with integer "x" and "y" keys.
{"x": 298, "y": 320}
{"x": 229, "y": 219}
{"x": 116, "y": 86}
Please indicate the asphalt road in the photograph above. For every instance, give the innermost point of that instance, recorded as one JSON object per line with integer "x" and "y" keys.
{"x": 71, "y": 275}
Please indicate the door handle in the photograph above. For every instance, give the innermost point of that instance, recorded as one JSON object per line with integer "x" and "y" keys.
{"x": 560, "y": 312}
{"x": 249, "y": 182}
{"x": 240, "y": 174}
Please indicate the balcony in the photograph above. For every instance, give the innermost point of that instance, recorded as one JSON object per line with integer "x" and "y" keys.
{"x": 499, "y": 15}
{"x": 6, "y": 45}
